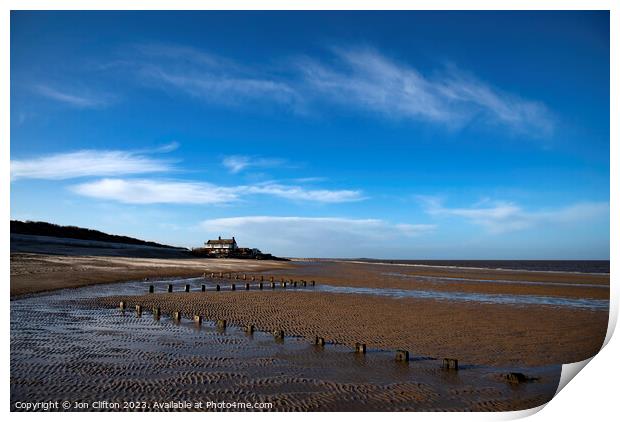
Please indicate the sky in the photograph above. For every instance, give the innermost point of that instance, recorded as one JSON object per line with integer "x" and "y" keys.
{"x": 404, "y": 135}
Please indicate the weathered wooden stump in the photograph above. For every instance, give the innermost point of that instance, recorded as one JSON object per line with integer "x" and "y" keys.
{"x": 402, "y": 356}
{"x": 253, "y": 278}
{"x": 212, "y": 275}
{"x": 156, "y": 312}
{"x": 151, "y": 289}
{"x": 278, "y": 334}
{"x": 283, "y": 284}
{"x": 360, "y": 347}
{"x": 232, "y": 286}
{"x": 451, "y": 364}
{"x": 139, "y": 310}
{"x": 312, "y": 282}
{"x": 262, "y": 278}
{"x": 204, "y": 287}
{"x": 122, "y": 305}
{"x": 244, "y": 276}
{"x": 169, "y": 288}
{"x": 319, "y": 341}
{"x": 236, "y": 276}
{"x": 176, "y": 315}
{"x": 304, "y": 283}
{"x": 516, "y": 377}
{"x": 273, "y": 285}
{"x": 217, "y": 287}
{"x": 187, "y": 288}
{"x": 260, "y": 286}
{"x": 294, "y": 284}
{"x": 197, "y": 319}
{"x": 221, "y": 324}
{"x": 249, "y": 329}
{"x": 271, "y": 279}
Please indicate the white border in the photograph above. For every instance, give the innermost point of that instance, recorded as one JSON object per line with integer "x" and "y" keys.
{"x": 590, "y": 396}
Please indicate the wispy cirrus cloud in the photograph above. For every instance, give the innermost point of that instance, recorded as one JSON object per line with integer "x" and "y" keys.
{"x": 315, "y": 236}
{"x": 72, "y": 98}
{"x": 238, "y": 163}
{"x": 209, "y": 77}
{"x": 146, "y": 191}
{"x": 501, "y": 216}
{"x": 367, "y": 80}
{"x": 354, "y": 78}
{"x": 84, "y": 163}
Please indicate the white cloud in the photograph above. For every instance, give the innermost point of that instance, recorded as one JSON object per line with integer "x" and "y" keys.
{"x": 315, "y": 236}
{"x": 304, "y": 194}
{"x": 142, "y": 191}
{"x": 358, "y": 78}
{"x": 80, "y": 100}
{"x": 155, "y": 192}
{"x": 501, "y": 217}
{"x": 208, "y": 77}
{"x": 367, "y": 80}
{"x": 237, "y": 163}
{"x": 85, "y": 163}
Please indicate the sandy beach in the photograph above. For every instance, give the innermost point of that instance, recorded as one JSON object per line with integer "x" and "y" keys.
{"x": 494, "y": 322}
{"x": 475, "y": 333}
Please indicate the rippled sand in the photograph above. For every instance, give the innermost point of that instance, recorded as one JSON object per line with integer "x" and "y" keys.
{"x": 65, "y": 349}
{"x": 475, "y": 333}
{"x": 77, "y": 345}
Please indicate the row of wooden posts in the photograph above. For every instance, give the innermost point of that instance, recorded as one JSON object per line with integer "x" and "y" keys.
{"x": 360, "y": 348}
{"x": 283, "y": 283}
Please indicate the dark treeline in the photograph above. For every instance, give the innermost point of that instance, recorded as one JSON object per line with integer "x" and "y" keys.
{"x": 41, "y": 228}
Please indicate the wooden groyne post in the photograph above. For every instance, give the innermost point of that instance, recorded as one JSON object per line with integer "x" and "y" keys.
{"x": 249, "y": 329}
{"x": 247, "y": 286}
{"x": 169, "y": 288}
{"x": 197, "y": 319}
{"x": 176, "y": 315}
{"x": 217, "y": 287}
{"x": 402, "y": 356}
{"x": 151, "y": 289}
{"x": 204, "y": 288}
{"x": 122, "y": 305}
{"x": 260, "y": 286}
{"x": 319, "y": 341}
{"x": 232, "y": 286}
{"x": 156, "y": 312}
{"x": 360, "y": 348}
{"x": 139, "y": 310}
{"x": 187, "y": 288}
{"x": 451, "y": 364}
{"x": 278, "y": 334}
{"x": 221, "y": 324}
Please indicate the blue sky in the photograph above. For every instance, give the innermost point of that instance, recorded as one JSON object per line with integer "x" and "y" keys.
{"x": 444, "y": 135}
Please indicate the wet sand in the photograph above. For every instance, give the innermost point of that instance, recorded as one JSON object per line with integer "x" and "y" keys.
{"x": 64, "y": 348}
{"x": 595, "y": 286}
{"x": 76, "y": 344}
{"x": 475, "y": 333}
{"x": 32, "y": 273}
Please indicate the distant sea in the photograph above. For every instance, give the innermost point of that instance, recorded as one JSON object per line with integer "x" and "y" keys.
{"x": 533, "y": 265}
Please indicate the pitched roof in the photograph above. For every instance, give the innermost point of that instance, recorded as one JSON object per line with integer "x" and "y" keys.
{"x": 221, "y": 242}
